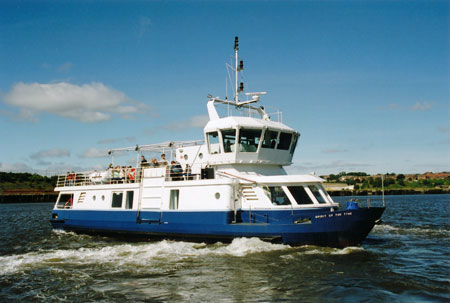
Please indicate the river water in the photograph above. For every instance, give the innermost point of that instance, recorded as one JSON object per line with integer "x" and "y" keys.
{"x": 406, "y": 259}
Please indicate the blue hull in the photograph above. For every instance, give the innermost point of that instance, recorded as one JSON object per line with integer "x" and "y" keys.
{"x": 293, "y": 227}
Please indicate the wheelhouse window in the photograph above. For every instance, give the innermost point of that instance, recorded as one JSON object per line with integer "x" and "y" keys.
{"x": 229, "y": 140}
{"x": 213, "y": 142}
{"x": 316, "y": 191}
{"x": 285, "y": 141}
{"x": 65, "y": 201}
{"x": 117, "y": 199}
{"x": 277, "y": 195}
{"x": 270, "y": 139}
{"x": 300, "y": 195}
{"x": 249, "y": 140}
{"x": 294, "y": 143}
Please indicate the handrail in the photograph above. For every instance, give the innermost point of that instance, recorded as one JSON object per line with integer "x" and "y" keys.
{"x": 223, "y": 173}
{"x": 128, "y": 175}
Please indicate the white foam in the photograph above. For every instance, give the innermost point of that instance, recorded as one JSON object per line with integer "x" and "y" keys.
{"x": 136, "y": 254}
{"x": 333, "y": 251}
{"x": 385, "y": 228}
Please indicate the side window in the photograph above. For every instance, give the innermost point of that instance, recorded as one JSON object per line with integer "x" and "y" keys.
{"x": 294, "y": 143}
{"x": 270, "y": 139}
{"x": 117, "y": 199}
{"x": 229, "y": 140}
{"x": 249, "y": 140}
{"x": 316, "y": 192}
{"x": 174, "y": 198}
{"x": 65, "y": 201}
{"x": 213, "y": 142}
{"x": 277, "y": 195}
{"x": 300, "y": 195}
{"x": 129, "y": 202}
{"x": 285, "y": 141}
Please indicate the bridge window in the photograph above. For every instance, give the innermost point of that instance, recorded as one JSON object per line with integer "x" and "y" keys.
{"x": 65, "y": 201}
{"x": 213, "y": 142}
{"x": 300, "y": 195}
{"x": 285, "y": 141}
{"x": 294, "y": 143}
{"x": 316, "y": 191}
{"x": 249, "y": 140}
{"x": 229, "y": 140}
{"x": 277, "y": 195}
{"x": 270, "y": 139}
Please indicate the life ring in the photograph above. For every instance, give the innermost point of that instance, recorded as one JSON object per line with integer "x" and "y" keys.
{"x": 132, "y": 174}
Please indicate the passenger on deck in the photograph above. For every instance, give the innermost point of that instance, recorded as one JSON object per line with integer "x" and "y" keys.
{"x": 163, "y": 161}
{"x": 116, "y": 174}
{"x": 68, "y": 178}
{"x": 154, "y": 163}
{"x": 122, "y": 173}
{"x": 176, "y": 171}
{"x": 71, "y": 178}
{"x": 144, "y": 162}
{"x": 188, "y": 172}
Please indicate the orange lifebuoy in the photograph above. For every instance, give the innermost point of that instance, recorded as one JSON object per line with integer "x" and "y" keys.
{"x": 132, "y": 174}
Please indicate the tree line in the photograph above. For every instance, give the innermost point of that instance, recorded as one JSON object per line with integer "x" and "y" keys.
{"x": 26, "y": 181}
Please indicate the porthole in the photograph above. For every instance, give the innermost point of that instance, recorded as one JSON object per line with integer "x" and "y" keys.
{"x": 185, "y": 157}
{"x": 94, "y": 197}
{"x": 217, "y": 196}
{"x": 200, "y": 155}
{"x": 103, "y": 197}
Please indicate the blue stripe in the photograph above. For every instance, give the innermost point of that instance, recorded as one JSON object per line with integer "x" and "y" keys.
{"x": 295, "y": 227}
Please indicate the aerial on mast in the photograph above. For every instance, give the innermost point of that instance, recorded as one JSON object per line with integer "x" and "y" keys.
{"x": 236, "y": 69}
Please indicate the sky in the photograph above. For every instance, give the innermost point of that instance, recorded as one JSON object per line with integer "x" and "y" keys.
{"x": 366, "y": 83}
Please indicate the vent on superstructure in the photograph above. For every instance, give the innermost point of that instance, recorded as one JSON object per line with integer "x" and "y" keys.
{"x": 81, "y": 198}
{"x": 249, "y": 193}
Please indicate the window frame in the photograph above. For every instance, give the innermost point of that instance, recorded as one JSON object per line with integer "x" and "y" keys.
{"x": 241, "y": 129}
{"x": 232, "y": 146}
{"x": 218, "y": 142}
{"x": 279, "y": 145}
{"x": 264, "y": 138}
{"x": 113, "y": 200}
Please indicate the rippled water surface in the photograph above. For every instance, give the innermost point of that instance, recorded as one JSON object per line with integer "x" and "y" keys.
{"x": 406, "y": 259}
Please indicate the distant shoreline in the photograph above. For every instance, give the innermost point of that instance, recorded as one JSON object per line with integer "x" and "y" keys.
{"x": 394, "y": 192}
{"x": 40, "y": 197}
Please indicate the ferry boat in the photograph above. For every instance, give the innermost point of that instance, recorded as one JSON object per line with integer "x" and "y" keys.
{"x": 233, "y": 184}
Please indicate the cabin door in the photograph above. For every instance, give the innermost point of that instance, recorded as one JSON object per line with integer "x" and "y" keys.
{"x": 151, "y": 200}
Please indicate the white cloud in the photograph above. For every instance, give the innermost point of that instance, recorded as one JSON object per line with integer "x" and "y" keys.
{"x": 144, "y": 24}
{"x": 65, "y": 67}
{"x": 93, "y": 102}
{"x": 95, "y": 153}
{"x": 334, "y": 166}
{"x": 15, "y": 167}
{"x": 193, "y": 122}
{"x": 443, "y": 129}
{"x": 50, "y": 153}
{"x": 334, "y": 150}
{"x": 421, "y": 107}
{"x": 117, "y": 140}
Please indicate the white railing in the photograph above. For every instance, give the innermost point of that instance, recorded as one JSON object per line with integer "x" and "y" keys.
{"x": 110, "y": 176}
{"x": 129, "y": 175}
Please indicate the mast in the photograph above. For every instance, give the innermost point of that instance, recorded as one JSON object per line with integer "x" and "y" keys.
{"x": 236, "y": 49}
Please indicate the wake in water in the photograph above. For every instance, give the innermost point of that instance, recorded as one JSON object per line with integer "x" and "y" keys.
{"x": 414, "y": 231}
{"x": 146, "y": 254}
